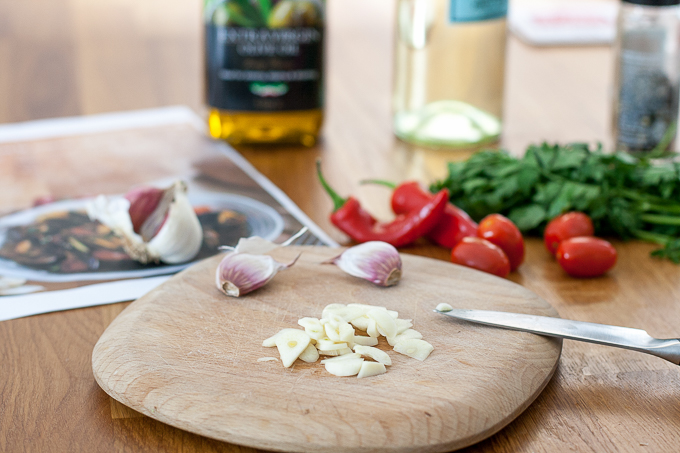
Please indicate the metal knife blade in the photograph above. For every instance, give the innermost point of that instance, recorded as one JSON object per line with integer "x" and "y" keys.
{"x": 620, "y": 337}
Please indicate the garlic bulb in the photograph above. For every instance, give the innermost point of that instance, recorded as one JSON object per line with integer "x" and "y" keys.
{"x": 240, "y": 273}
{"x": 375, "y": 261}
{"x": 155, "y": 224}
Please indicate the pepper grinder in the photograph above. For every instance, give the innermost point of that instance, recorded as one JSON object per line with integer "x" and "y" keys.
{"x": 647, "y": 76}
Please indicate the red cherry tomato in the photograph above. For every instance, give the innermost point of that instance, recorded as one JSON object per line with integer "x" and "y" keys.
{"x": 586, "y": 256}
{"x": 500, "y": 230}
{"x": 565, "y": 226}
{"x": 482, "y": 255}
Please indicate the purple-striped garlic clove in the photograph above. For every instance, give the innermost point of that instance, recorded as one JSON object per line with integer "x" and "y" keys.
{"x": 375, "y": 261}
{"x": 240, "y": 273}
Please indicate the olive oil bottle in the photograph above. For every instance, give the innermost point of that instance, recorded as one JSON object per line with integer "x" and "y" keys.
{"x": 264, "y": 70}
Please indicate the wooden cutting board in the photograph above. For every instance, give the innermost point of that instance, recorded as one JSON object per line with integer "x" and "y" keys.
{"x": 187, "y": 355}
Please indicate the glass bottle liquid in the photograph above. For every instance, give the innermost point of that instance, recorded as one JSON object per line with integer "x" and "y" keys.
{"x": 264, "y": 70}
{"x": 449, "y": 72}
{"x": 647, "y": 76}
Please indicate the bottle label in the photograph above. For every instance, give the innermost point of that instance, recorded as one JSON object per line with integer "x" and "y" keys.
{"x": 477, "y": 10}
{"x": 264, "y": 59}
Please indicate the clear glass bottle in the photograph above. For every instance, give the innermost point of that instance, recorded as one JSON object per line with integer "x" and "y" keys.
{"x": 449, "y": 72}
{"x": 647, "y": 76}
{"x": 264, "y": 70}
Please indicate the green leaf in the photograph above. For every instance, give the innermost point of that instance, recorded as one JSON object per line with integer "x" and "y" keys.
{"x": 528, "y": 217}
{"x": 265, "y": 8}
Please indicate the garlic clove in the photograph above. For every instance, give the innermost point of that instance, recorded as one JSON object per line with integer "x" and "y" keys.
{"x": 369, "y": 369}
{"x": 240, "y": 273}
{"x": 374, "y": 353}
{"x": 418, "y": 349}
{"x": 11, "y": 282}
{"x": 291, "y": 343}
{"x": 365, "y": 341}
{"x": 155, "y": 224}
{"x": 342, "y": 368}
{"x": 375, "y": 261}
{"x": 405, "y": 335}
{"x": 310, "y": 354}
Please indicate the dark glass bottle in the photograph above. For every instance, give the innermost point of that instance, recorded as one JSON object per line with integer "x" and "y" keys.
{"x": 264, "y": 70}
{"x": 647, "y": 76}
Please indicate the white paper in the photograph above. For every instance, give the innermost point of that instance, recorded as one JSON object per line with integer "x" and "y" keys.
{"x": 12, "y": 307}
{"x": 564, "y": 23}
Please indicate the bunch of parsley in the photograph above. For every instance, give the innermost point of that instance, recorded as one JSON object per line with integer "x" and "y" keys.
{"x": 625, "y": 196}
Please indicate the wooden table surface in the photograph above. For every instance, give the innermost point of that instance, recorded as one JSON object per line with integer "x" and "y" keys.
{"x": 76, "y": 57}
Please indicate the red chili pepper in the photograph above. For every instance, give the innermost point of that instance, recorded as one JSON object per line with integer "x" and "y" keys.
{"x": 407, "y": 227}
{"x": 454, "y": 224}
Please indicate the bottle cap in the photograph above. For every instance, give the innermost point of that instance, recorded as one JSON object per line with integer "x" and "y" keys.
{"x": 653, "y": 2}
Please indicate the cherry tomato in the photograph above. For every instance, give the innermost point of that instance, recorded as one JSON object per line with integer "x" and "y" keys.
{"x": 500, "y": 230}
{"x": 586, "y": 256}
{"x": 565, "y": 226}
{"x": 482, "y": 255}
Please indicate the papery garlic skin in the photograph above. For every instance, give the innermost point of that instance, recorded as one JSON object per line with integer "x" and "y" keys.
{"x": 177, "y": 241}
{"x": 255, "y": 245}
{"x": 375, "y": 261}
{"x": 240, "y": 273}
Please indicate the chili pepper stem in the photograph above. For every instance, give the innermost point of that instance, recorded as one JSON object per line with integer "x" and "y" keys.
{"x": 338, "y": 201}
{"x": 380, "y": 182}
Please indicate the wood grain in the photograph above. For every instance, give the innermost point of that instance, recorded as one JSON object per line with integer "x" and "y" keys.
{"x": 600, "y": 399}
{"x": 187, "y": 355}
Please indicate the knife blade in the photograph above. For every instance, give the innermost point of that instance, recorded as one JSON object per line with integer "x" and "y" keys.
{"x": 620, "y": 337}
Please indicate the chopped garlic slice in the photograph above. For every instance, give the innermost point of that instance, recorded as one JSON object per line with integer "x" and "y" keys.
{"x": 385, "y": 322}
{"x": 348, "y": 367}
{"x": 374, "y": 353}
{"x": 444, "y": 307}
{"x": 270, "y": 342}
{"x": 267, "y": 359}
{"x": 365, "y": 341}
{"x": 353, "y": 355}
{"x": 291, "y": 343}
{"x": 405, "y": 335}
{"x": 418, "y": 349}
{"x": 334, "y": 336}
{"x": 313, "y": 327}
{"x": 369, "y": 369}
{"x": 310, "y": 354}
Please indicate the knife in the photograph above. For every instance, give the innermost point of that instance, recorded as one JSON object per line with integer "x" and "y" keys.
{"x": 619, "y": 337}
